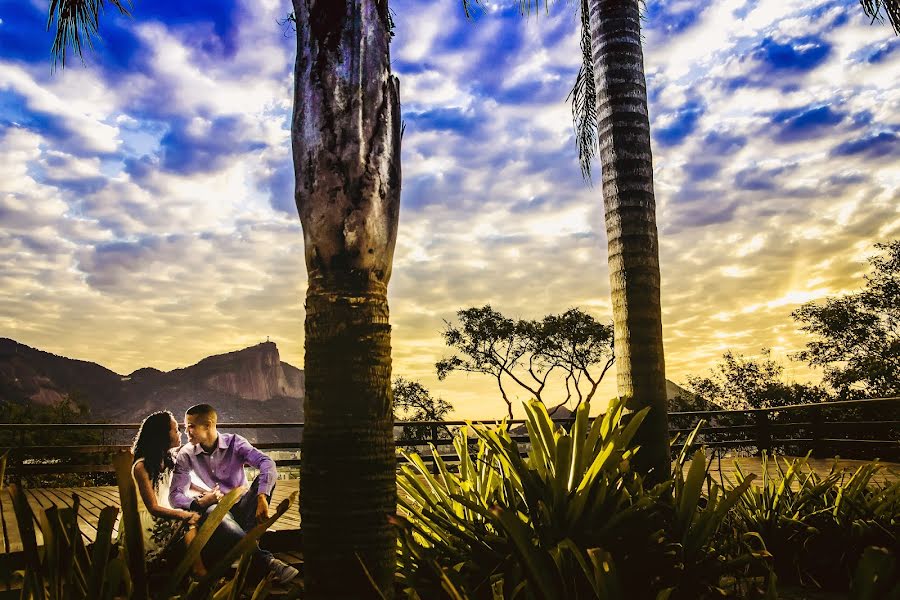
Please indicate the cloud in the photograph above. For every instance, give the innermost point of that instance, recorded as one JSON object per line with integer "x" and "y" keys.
{"x": 798, "y": 54}
{"x": 797, "y": 124}
{"x": 676, "y": 126}
{"x": 202, "y": 144}
{"x": 147, "y": 202}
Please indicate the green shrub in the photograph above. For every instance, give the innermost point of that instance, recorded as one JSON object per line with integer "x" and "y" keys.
{"x": 572, "y": 520}
{"x": 817, "y": 527}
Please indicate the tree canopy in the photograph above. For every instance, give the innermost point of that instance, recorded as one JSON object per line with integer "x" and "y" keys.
{"x": 857, "y": 336}
{"x": 413, "y": 402}
{"x": 525, "y": 353}
{"x": 738, "y": 382}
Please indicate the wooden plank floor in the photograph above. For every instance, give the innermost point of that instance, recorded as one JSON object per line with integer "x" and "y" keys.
{"x": 94, "y": 499}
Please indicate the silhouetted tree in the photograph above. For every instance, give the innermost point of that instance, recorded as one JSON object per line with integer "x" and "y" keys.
{"x": 738, "y": 382}
{"x": 858, "y": 335}
{"x": 526, "y": 353}
{"x": 413, "y": 402}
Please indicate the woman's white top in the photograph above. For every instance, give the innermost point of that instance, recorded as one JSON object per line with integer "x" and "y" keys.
{"x": 148, "y": 521}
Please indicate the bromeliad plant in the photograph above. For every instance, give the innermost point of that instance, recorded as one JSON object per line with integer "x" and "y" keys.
{"x": 67, "y": 569}
{"x": 571, "y": 520}
{"x": 818, "y": 527}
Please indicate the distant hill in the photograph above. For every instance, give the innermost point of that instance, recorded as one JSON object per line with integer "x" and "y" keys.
{"x": 681, "y": 400}
{"x": 251, "y": 384}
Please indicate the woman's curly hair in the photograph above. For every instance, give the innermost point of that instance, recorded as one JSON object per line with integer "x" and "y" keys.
{"x": 152, "y": 444}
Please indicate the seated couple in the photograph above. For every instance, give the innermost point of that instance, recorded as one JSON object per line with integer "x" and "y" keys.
{"x": 164, "y": 468}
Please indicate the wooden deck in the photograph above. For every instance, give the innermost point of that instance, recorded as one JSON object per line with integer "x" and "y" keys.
{"x": 93, "y": 499}
{"x": 279, "y": 536}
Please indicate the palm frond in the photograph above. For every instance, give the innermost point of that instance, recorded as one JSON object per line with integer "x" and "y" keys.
{"x": 584, "y": 98}
{"x": 891, "y": 8}
{"x": 471, "y": 6}
{"x": 77, "y": 22}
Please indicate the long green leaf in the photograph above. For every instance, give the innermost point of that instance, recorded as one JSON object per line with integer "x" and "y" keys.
{"x": 690, "y": 493}
{"x": 100, "y": 553}
{"x": 247, "y": 544}
{"x": 537, "y": 565}
{"x": 131, "y": 523}
{"x": 34, "y": 576}
{"x": 203, "y": 534}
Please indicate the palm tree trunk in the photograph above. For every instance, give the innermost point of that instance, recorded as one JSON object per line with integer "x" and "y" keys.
{"x": 630, "y": 209}
{"x": 346, "y": 144}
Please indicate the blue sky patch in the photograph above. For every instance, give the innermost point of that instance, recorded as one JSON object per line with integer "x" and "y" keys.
{"x": 796, "y": 124}
{"x": 798, "y": 54}
{"x": 682, "y": 125}
{"x": 877, "y": 145}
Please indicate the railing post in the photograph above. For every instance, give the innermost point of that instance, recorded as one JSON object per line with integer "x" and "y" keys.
{"x": 818, "y": 446}
{"x": 434, "y": 440}
{"x": 763, "y": 432}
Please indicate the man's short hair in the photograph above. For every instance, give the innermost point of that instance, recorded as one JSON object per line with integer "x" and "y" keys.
{"x": 205, "y": 412}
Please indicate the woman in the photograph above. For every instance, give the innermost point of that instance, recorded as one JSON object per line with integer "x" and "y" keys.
{"x": 152, "y": 471}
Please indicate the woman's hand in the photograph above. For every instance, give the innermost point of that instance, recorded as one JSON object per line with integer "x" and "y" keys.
{"x": 192, "y": 518}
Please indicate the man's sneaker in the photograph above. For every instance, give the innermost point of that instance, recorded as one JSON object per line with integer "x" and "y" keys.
{"x": 282, "y": 571}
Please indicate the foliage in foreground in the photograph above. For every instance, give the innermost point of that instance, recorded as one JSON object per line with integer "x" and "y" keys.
{"x": 572, "y": 520}
{"x": 819, "y": 527}
{"x": 116, "y": 568}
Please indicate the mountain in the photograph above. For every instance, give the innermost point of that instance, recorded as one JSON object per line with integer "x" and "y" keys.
{"x": 248, "y": 385}
{"x": 681, "y": 400}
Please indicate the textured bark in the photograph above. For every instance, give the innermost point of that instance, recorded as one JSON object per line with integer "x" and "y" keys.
{"x": 630, "y": 209}
{"x": 346, "y": 143}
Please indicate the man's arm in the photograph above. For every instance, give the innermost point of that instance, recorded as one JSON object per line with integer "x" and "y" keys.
{"x": 253, "y": 457}
{"x": 181, "y": 482}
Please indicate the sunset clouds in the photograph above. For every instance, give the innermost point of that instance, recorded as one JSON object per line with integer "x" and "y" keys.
{"x": 146, "y": 199}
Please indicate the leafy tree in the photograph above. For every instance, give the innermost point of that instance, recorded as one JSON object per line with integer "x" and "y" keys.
{"x": 526, "y": 353}
{"x": 610, "y": 114}
{"x": 858, "y": 335}
{"x": 345, "y": 135}
{"x": 738, "y": 382}
{"x": 413, "y": 402}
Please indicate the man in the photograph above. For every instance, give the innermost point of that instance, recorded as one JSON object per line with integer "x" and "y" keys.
{"x": 218, "y": 459}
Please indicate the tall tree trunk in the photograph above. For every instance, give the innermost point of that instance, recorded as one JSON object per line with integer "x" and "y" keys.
{"x": 346, "y": 144}
{"x": 630, "y": 208}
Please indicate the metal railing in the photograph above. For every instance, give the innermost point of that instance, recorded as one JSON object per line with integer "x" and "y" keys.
{"x": 863, "y": 429}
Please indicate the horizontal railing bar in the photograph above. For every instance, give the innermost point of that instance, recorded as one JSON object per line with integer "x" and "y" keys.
{"x": 89, "y": 426}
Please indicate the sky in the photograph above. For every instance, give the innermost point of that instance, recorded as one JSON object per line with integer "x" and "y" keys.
{"x": 146, "y": 196}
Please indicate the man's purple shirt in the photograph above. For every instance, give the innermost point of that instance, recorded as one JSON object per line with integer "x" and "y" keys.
{"x": 223, "y": 466}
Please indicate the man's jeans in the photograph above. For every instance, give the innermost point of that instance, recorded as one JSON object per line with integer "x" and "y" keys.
{"x": 239, "y": 520}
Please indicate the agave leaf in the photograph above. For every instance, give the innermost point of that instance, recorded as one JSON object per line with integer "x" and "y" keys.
{"x": 45, "y": 519}
{"x": 203, "y": 534}
{"x": 68, "y": 530}
{"x": 541, "y": 436}
{"x": 131, "y": 524}
{"x": 562, "y": 466}
{"x": 263, "y": 588}
{"x": 240, "y": 577}
{"x": 605, "y": 574}
{"x": 245, "y": 545}
{"x": 579, "y": 449}
{"x": 627, "y": 433}
{"x": 115, "y": 577}
{"x": 497, "y": 589}
{"x": 689, "y": 497}
{"x": 538, "y": 566}
{"x": 875, "y": 573}
{"x": 689, "y": 443}
{"x": 34, "y": 576}
{"x": 100, "y": 552}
